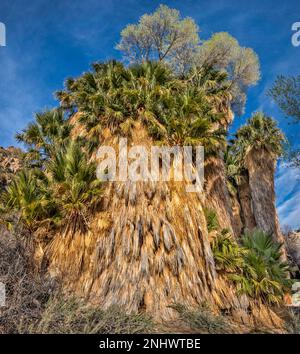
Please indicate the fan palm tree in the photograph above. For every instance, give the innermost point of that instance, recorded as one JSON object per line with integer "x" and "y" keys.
{"x": 257, "y": 145}
{"x": 260, "y": 133}
{"x": 255, "y": 265}
{"x": 267, "y": 275}
{"x": 63, "y": 193}
{"x": 74, "y": 186}
{"x": 51, "y": 128}
{"x": 29, "y": 197}
{"x": 179, "y": 111}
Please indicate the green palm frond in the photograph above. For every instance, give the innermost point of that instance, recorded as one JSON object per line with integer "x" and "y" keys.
{"x": 254, "y": 266}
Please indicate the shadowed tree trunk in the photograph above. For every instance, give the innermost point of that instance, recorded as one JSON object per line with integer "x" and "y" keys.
{"x": 244, "y": 194}
{"x": 236, "y": 212}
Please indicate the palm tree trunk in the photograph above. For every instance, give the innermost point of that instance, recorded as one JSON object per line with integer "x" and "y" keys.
{"x": 147, "y": 248}
{"x": 261, "y": 169}
{"x": 244, "y": 195}
{"x": 216, "y": 192}
{"x": 236, "y": 212}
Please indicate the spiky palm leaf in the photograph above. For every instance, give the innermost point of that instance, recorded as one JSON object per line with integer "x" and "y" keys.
{"x": 75, "y": 188}
{"x": 51, "y": 128}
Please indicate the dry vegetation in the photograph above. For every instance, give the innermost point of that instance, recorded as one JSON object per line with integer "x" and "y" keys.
{"x": 36, "y": 305}
{"x": 26, "y": 292}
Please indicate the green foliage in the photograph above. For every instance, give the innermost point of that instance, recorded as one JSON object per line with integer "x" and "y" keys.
{"x": 27, "y": 196}
{"x": 162, "y": 35}
{"x": 50, "y": 129}
{"x": 267, "y": 275}
{"x": 234, "y": 167}
{"x": 223, "y": 52}
{"x": 227, "y": 253}
{"x": 286, "y": 93}
{"x": 73, "y": 184}
{"x": 202, "y": 319}
{"x": 72, "y": 315}
{"x": 260, "y": 132}
{"x": 66, "y": 190}
{"x": 211, "y": 219}
{"x": 178, "y": 111}
{"x": 259, "y": 271}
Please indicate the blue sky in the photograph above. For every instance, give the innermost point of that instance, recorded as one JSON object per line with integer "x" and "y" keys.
{"x": 48, "y": 41}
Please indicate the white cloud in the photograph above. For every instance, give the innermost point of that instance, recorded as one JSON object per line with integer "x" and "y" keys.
{"x": 287, "y": 184}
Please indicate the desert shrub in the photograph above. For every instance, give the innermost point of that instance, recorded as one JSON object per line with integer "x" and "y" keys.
{"x": 202, "y": 319}
{"x": 73, "y": 315}
{"x": 26, "y": 292}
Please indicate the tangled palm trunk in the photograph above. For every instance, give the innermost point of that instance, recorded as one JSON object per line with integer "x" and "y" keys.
{"x": 144, "y": 250}
{"x": 147, "y": 247}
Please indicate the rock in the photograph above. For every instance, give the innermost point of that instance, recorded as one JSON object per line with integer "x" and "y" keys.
{"x": 10, "y": 164}
{"x": 293, "y": 246}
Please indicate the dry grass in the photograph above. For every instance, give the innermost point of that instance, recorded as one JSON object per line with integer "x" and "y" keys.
{"x": 203, "y": 320}
{"x": 73, "y": 315}
{"x": 293, "y": 322}
{"x": 35, "y": 305}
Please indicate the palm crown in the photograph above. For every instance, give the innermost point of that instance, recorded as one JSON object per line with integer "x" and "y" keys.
{"x": 177, "y": 110}
{"x": 260, "y": 132}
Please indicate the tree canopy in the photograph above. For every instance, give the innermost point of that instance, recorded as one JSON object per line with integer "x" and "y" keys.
{"x": 286, "y": 93}
{"x": 166, "y": 36}
{"x": 223, "y": 52}
{"x": 162, "y": 35}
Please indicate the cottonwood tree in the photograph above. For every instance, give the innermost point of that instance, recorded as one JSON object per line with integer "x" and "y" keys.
{"x": 163, "y": 35}
{"x": 241, "y": 64}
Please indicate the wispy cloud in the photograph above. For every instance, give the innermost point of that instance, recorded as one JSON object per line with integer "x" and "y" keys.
{"x": 287, "y": 184}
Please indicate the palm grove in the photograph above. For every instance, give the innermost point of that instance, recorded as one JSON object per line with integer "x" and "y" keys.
{"x": 176, "y": 90}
